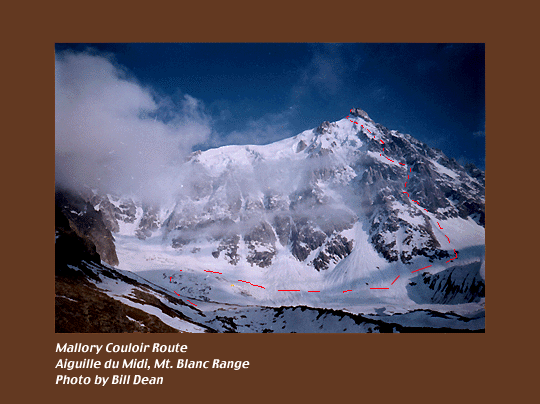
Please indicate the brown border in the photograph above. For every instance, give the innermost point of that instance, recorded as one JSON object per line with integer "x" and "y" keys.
{"x": 451, "y": 367}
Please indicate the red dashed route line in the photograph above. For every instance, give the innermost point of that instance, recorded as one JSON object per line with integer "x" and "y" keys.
{"x": 186, "y": 299}
{"x": 350, "y": 290}
{"x": 454, "y": 257}
{"x": 418, "y": 203}
{"x": 421, "y": 269}
{"x": 239, "y": 280}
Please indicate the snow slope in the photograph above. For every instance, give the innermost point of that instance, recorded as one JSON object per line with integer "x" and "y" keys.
{"x": 343, "y": 216}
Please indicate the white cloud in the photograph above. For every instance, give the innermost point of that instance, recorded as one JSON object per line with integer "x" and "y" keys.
{"x": 113, "y": 133}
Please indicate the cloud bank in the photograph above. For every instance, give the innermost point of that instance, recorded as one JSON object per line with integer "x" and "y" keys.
{"x": 115, "y": 135}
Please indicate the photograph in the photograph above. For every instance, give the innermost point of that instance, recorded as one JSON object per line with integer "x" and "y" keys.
{"x": 269, "y": 187}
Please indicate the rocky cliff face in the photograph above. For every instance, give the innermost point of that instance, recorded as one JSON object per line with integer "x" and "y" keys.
{"x": 455, "y": 285}
{"x": 303, "y": 195}
{"x": 360, "y": 113}
{"x": 77, "y": 216}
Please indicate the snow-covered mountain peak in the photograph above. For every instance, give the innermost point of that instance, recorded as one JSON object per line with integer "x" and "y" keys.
{"x": 312, "y": 199}
{"x": 348, "y": 206}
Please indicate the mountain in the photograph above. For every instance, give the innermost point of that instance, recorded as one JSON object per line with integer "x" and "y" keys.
{"x": 348, "y": 216}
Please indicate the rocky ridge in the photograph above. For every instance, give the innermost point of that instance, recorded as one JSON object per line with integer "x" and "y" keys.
{"x": 340, "y": 174}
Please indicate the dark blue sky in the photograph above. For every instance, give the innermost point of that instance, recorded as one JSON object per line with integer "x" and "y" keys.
{"x": 260, "y": 93}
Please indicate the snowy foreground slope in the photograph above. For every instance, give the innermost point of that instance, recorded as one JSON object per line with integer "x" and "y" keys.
{"x": 349, "y": 227}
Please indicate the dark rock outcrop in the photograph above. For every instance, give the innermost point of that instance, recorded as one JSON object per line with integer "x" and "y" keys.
{"x": 301, "y": 146}
{"x": 454, "y": 285}
{"x": 361, "y": 113}
{"x": 87, "y": 223}
{"x": 337, "y": 248}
